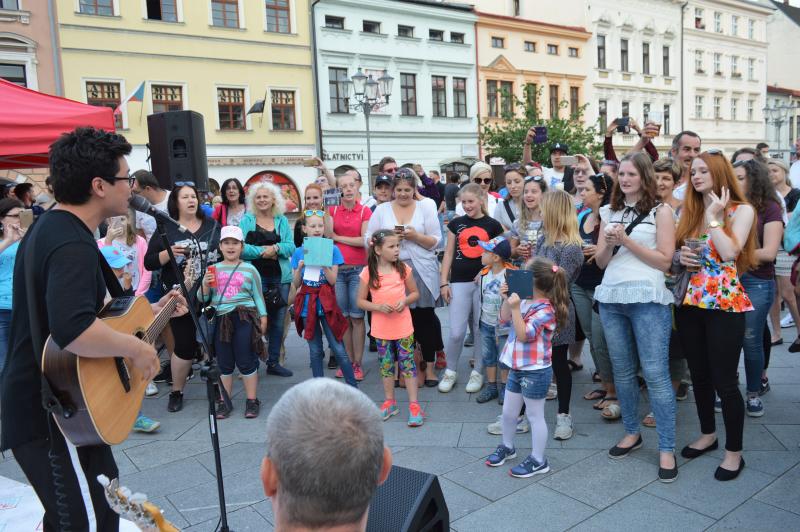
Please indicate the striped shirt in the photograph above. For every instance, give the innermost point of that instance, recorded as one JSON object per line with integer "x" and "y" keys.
{"x": 535, "y": 350}
{"x": 241, "y": 290}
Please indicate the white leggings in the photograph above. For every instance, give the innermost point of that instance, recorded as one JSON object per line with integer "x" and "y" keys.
{"x": 466, "y": 298}
{"x": 534, "y": 408}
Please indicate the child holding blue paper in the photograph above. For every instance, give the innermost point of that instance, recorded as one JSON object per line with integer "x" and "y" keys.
{"x": 316, "y": 311}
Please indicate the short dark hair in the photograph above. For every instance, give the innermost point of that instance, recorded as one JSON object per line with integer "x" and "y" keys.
{"x": 6, "y": 204}
{"x": 383, "y": 162}
{"x": 22, "y": 189}
{"x": 224, "y": 189}
{"x": 172, "y": 203}
{"x": 79, "y": 156}
{"x": 676, "y": 140}
{"x": 761, "y": 145}
{"x": 146, "y": 178}
{"x": 747, "y": 149}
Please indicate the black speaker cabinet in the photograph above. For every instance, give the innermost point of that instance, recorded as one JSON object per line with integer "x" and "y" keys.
{"x": 178, "y": 148}
{"x": 409, "y": 501}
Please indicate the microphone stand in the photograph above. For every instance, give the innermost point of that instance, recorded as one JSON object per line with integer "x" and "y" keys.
{"x": 209, "y": 371}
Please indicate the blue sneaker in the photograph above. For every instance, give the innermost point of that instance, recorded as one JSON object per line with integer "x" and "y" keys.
{"x": 529, "y": 467}
{"x": 145, "y": 424}
{"x": 500, "y": 455}
{"x": 389, "y": 409}
{"x": 416, "y": 416}
{"x": 754, "y": 407}
{"x": 717, "y": 405}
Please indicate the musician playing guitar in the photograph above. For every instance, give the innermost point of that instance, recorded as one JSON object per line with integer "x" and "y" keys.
{"x": 90, "y": 181}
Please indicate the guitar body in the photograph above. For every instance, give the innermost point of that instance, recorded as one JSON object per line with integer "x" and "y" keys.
{"x": 104, "y": 411}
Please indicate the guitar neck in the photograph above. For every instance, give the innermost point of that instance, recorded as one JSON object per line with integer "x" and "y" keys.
{"x": 160, "y": 321}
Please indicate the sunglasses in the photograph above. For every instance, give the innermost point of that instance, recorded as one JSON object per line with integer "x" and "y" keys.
{"x": 484, "y": 180}
{"x": 184, "y": 184}
{"x": 536, "y": 178}
{"x": 390, "y": 170}
{"x": 715, "y": 151}
{"x": 314, "y": 213}
{"x": 513, "y": 167}
{"x": 404, "y": 173}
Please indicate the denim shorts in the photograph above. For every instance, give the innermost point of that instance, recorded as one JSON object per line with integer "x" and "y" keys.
{"x": 532, "y": 384}
{"x": 492, "y": 346}
{"x": 347, "y": 282}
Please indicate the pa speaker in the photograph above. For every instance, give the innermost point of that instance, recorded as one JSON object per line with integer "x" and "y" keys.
{"x": 408, "y": 501}
{"x": 178, "y": 148}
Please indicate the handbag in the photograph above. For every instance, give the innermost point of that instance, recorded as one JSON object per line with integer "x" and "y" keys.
{"x": 207, "y": 322}
{"x": 273, "y": 298}
{"x": 681, "y": 276}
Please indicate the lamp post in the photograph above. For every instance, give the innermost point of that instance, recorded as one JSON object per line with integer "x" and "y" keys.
{"x": 777, "y": 115}
{"x": 367, "y": 96}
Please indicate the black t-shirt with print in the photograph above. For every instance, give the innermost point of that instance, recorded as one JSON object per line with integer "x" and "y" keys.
{"x": 467, "y": 257}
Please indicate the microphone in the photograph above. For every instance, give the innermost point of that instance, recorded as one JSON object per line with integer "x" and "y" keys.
{"x": 138, "y": 203}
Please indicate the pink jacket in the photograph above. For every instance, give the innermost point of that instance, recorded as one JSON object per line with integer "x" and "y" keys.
{"x": 144, "y": 274}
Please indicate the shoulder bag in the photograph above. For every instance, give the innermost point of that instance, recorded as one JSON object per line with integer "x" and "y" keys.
{"x": 207, "y": 321}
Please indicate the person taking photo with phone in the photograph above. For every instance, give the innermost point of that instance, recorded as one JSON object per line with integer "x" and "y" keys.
{"x": 12, "y": 233}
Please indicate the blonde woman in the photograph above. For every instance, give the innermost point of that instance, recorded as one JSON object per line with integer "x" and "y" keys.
{"x": 560, "y": 241}
{"x": 268, "y": 246}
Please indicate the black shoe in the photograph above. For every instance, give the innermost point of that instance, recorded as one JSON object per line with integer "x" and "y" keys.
{"x": 251, "y": 408}
{"x": 175, "y": 403}
{"x": 373, "y": 347}
{"x": 668, "y": 475}
{"x": 165, "y": 375}
{"x": 724, "y": 475}
{"x": 332, "y": 362}
{"x": 795, "y": 347}
{"x": 222, "y": 410}
{"x": 682, "y": 392}
{"x": 691, "y": 452}
{"x": 280, "y": 371}
{"x": 618, "y": 452}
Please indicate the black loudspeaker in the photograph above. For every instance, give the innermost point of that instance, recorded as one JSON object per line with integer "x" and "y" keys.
{"x": 178, "y": 148}
{"x": 408, "y": 501}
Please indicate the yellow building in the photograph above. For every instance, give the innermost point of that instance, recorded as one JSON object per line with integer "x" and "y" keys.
{"x": 216, "y": 57}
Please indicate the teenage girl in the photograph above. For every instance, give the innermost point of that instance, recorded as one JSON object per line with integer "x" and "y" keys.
{"x": 390, "y": 284}
{"x": 529, "y": 222}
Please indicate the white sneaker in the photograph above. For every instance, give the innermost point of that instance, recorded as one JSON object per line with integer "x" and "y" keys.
{"x": 475, "y": 382}
{"x": 552, "y": 391}
{"x": 151, "y": 389}
{"x": 496, "y": 428}
{"x": 563, "y": 427}
{"x": 787, "y": 321}
{"x": 448, "y": 380}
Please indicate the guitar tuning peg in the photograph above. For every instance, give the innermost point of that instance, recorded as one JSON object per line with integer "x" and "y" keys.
{"x": 138, "y": 498}
{"x": 125, "y": 492}
{"x": 103, "y": 480}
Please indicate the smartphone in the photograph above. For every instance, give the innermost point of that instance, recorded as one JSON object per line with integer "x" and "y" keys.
{"x": 623, "y": 125}
{"x": 540, "y": 134}
{"x": 399, "y": 228}
{"x": 569, "y": 160}
{"x": 520, "y": 282}
{"x": 25, "y": 218}
{"x": 310, "y": 162}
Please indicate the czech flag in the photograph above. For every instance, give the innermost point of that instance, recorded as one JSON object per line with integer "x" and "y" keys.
{"x": 136, "y": 96}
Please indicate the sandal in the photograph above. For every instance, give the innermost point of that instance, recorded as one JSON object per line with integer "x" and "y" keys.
{"x": 595, "y": 394}
{"x": 596, "y": 377}
{"x": 649, "y": 420}
{"x": 431, "y": 383}
{"x": 611, "y": 412}
{"x": 573, "y": 366}
{"x": 602, "y": 403}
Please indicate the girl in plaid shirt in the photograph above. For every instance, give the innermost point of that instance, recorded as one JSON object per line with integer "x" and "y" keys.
{"x": 528, "y": 353}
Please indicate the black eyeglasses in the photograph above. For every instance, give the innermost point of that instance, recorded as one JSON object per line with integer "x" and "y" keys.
{"x": 484, "y": 180}
{"x": 129, "y": 178}
{"x": 184, "y": 184}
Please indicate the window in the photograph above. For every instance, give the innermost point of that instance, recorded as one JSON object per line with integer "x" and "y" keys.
{"x": 460, "y": 97}
{"x": 573, "y": 52}
{"x": 735, "y": 67}
{"x": 439, "y": 88}
{"x": 750, "y": 109}
{"x": 531, "y": 96}
{"x": 405, "y": 31}
{"x": 283, "y": 111}
{"x": 553, "y": 101}
{"x": 225, "y": 13}
{"x": 105, "y": 94}
{"x": 507, "y": 97}
{"x": 734, "y": 108}
{"x": 734, "y": 25}
{"x": 574, "y": 100}
{"x": 698, "y": 106}
{"x": 645, "y": 112}
{"x": 624, "y": 55}
{"x": 278, "y": 16}
{"x": 408, "y": 94}
{"x": 457, "y": 38}
{"x": 436, "y": 35}
{"x": 717, "y": 64}
{"x": 665, "y": 60}
{"x": 552, "y": 49}
{"x": 14, "y": 74}
{"x": 530, "y": 46}
{"x": 370, "y": 26}
{"x": 626, "y": 109}
{"x": 698, "y": 19}
{"x": 230, "y": 106}
{"x": 337, "y": 77}
{"x": 601, "y": 51}
{"x": 751, "y": 29}
{"x": 698, "y": 62}
{"x": 718, "y": 22}
{"x": 602, "y": 111}
{"x": 9, "y": 4}
{"x": 498, "y": 42}
{"x": 491, "y": 97}
{"x": 717, "y": 107}
{"x": 97, "y": 7}
{"x": 751, "y": 69}
{"x": 165, "y": 10}
{"x": 516, "y": 8}
{"x": 665, "y": 125}
{"x": 336, "y": 23}
{"x": 646, "y": 57}
{"x": 167, "y": 98}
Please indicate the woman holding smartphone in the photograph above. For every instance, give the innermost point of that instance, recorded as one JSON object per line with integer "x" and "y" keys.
{"x": 12, "y": 233}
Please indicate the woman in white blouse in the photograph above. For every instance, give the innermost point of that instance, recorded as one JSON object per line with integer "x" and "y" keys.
{"x": 416, "y": 220}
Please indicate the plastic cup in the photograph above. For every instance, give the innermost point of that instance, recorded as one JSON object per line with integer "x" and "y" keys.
{"x": 212, "y": 270}
{"x": 655, "y": 119}
{"x": 696, "y": 245}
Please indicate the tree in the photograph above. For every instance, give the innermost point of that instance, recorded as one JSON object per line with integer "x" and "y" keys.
{"x": 505, "y": 139}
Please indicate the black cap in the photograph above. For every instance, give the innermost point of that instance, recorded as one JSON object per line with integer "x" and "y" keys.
{"x": 560, "y": 146}
{"x": 383, "y": 178}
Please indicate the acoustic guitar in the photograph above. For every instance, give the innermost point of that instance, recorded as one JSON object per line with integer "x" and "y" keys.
{"x": 134, "y": 507}
{"x": 102, "y": 396}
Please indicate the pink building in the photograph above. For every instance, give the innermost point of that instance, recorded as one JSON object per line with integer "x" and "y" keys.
{"x": 29, "y": 53}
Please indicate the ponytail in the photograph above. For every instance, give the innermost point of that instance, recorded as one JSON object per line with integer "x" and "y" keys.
{"x": 551, "y": 280}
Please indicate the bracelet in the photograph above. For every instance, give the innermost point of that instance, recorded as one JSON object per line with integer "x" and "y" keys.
{"x": 443, "y": 285}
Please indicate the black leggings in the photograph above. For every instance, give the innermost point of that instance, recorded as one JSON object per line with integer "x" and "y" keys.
{"x": 712, "y": 341}
{"x": 563, "y": 377}
{"x": 767, "y": 345}
{"x": 185, "y": 337}
{"x": 427, "y": 332}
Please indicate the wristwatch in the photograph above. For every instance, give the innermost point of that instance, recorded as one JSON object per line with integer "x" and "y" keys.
{"x": 713, "y": 224}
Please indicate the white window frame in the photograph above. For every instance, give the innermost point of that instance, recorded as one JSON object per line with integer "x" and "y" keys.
{"x": 751, "y": 29}
{"x": 123, "y": 93}
{"x": 751, "y": 69}
{"x": 242, "y": 24}
{"x": 298, "y": 116}
{"x": 114, "y": 7}
{"x": 184, "y": 93}
{"x": 751, "y": 109}
{"x": 178, "y": 9}
{"x": 292, "y": 18}
{"x": 735, "y": 25}
{"x": 26, "y": 59}
{"x": 734, "y": 108}
{"x": 248, "y": 125}
{"x": 699, "y": 104}
{"x": 718, "y": 28}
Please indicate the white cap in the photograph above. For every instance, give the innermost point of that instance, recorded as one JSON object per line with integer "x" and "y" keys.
{"x": 231, "y": 231}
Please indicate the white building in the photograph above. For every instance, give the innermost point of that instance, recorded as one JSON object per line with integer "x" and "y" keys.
{"x": 637, "y": 57}
{"x": 725, "y": 68}
{"x": 783, "y": 77}
{"x": 429, "y": 50}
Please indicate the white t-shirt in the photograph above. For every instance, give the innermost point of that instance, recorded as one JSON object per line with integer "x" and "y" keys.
{"x": 794, "y": 174}
{"x": 490, "y": 297}
{"x": 553, "y": 178}
{"x": 147, "y": 223}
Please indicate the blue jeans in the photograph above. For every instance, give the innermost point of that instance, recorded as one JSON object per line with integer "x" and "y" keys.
{"x": 5, "y": 326}
{"x": 492, "y": 345}
{"x": 276, "y": 317}
{"x": 317, "y": 352}
{"x": 761, "y": 293}
{"x": 347, "y": 282}
{"x": 156, "y": 290}
{"x": 643, "y": 330}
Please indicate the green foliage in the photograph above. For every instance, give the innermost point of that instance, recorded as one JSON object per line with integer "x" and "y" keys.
{"x": 505, "y": 139}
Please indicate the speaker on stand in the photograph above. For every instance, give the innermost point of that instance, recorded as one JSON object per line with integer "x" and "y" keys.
{"x": 409, "y": 501}
{"x": 178, "y": 148}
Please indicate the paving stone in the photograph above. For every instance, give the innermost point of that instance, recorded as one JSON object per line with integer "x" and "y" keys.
{"x": 773, "y": 463}
{"x": 476, "y": 435}
{"x": 243, "y": 520}
{"x": 433, "y": 433}
{"x": 158, "y": 453}
{"x": 10, "y": 469}
{"x": 235, "y": 458}
{"x": 784, "y": 492}
{"x": 534, "y": 507}
{"x": 493, "y": 483}
{"x": 232, "y": 430}
{"x": 170, "y": 513}
{"x": 755, "y": 515}
{"x": 200, "y": 503}
{"x": 402, "y": 415}
{"x": 696, "y": 481}
{"x": 168, "y": 478}
{"x": 462, "y": 411}
{"x": 787, "y": 435}
{"x": 601, "y": 481}
{"x": 642, "y": 511}
{"x": 264, "y": 508}
{"x": 124, "y": 464}
{"x": 434, "y": 460}
{"x": 460, "y": 501}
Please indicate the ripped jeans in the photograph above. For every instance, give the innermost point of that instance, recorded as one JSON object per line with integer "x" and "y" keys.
{"x": 761, "y": 293}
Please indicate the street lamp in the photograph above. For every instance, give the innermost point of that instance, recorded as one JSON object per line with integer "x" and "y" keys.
{"x": 367, "y": 96}
{"x": 777, "y": 115}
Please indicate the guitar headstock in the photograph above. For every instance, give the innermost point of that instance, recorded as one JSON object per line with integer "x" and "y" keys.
{"x": 134, "y": 507}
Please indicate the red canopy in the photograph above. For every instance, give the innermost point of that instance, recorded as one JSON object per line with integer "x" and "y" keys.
{"x": 30, "y": 121}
